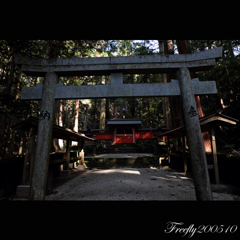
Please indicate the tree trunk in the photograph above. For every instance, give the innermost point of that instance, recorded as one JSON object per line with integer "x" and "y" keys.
{"x": 230, "y": 49}
{"x": 114, "y": 108}
{"x": 102, "y": 109}
{"x": 209, "y": 43}
{"x": 182, "y": 46}
{"x": 86, "y": 117}
{"x": 3, "y": 116}
{"x": 61, "y": 114}
{"x": 68, "y": 111}
{"x": 10, "y": 77}
{"x": 54, "y": 47}
{"x": 15, "y": 93}
{"x": 175, "y": 117}
{"x": 7, "y": 143}
{"x": 60, "y": 141}
{"x": 219, "y": 93}
{"x": 107, "y": 109}
{"x": 95, "y": 113}
{"x": 148, "y": 114}
{"x": 102, "y": 114}
{"x": 56, "y": 146}
{"x": 75, "y": 128}
{"x": 103, "y": 101}
{"x": 175, "y": 102}
{"x": 12, "y": 141}
{"x": 165, "y": 100}
{"x": 132, "y": 100}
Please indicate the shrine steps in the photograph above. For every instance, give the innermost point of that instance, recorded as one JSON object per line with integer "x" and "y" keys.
{"x": 120, "y": 160}
{"x": 124, "y": 148}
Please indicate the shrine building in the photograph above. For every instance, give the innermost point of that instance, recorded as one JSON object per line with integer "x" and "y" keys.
{"x": 124, "y": 129}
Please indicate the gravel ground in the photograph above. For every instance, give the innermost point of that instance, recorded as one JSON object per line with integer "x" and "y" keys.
{"x": 130, "y": 184}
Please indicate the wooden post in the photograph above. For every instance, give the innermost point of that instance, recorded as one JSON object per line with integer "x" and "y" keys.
{"x": 26, "y": 156}
{"x": 194, "y": 136}
{"x": 45, "y": 127}
{"x": 82, "y": 156}
{"x": 49, "y": 181}
{"x": 32, "y": 152}
{"x": 66, "y": 165}
{"x": 81, "y": 162}
{"x": 168, "y": 149}
{"x": 94, "y": 149}
{"x": 214, "y": 154}
{"x": 28, "y": 159}
{"x": 68, "y": 154}
{"x": 20, "y": 146}
{"x": 184, "y": 154}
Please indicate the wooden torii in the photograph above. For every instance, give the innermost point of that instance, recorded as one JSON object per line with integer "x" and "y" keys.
{"x": 181, "y": 64}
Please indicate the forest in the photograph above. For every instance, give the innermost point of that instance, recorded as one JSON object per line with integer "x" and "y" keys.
{"x": 85, "y": 113}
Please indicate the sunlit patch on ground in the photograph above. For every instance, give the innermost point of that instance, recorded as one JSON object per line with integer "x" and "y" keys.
{"x": 117, "y": 171}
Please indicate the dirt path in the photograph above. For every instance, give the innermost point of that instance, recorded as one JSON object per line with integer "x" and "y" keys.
{"x": 130, "y": 184}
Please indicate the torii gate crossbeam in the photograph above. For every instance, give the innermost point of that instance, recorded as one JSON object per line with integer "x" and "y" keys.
{"x": 141, "y": 64}
{"x": 120, "y": 90}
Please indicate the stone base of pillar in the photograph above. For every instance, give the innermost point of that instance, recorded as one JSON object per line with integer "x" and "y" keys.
{"x": 23, "y": 191}
{"x": 81, "y": 167}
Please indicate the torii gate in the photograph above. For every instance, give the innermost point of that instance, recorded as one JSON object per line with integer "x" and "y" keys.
{"x": 181, "y": 64}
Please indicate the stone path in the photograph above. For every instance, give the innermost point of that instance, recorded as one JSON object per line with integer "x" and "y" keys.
{"x": 130, "y": 184}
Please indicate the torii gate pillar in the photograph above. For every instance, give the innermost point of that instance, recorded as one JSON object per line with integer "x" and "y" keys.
{"x": 45, "y": 126}
{"x": 194, "y": 136}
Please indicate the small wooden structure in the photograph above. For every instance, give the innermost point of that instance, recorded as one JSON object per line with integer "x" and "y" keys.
{"x": 56, "y": 159}
{"x": 124, "y": 129}
{"x": 207, "y": 123}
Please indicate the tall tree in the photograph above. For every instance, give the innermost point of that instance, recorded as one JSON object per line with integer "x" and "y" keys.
{"x": 75, "y": 128}
{"x": 60, "y": 141}
{"x": 131, "y": 80}
{"x": 171, "y": 106}
{"x": 103, "y": 101}
{"x": 54, "y": 50}
{"x": 165, "y": 100}
{"x": 10, "y": 107}
{"x": 102, "y": 109}
{"x": 7, "y": 93}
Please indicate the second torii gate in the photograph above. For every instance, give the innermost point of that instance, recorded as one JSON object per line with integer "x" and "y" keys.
{"x": 182, "y": 64}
